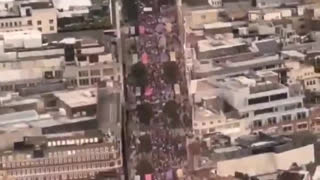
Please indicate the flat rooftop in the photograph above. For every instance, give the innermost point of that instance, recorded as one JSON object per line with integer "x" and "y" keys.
{"x": 212, "y": 44}
{"x": 203, "y": 114}
{"x": 19, "y": 117}
{"x": 78, "y": 98}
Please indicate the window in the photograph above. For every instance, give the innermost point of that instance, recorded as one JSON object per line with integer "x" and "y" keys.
{"x": 279, "y": 96}
{"x": 29, "y": 22}
{"x": 48, "y": 74}
{"x": 15, "y": 24}
{"x": 203, "y": 16}
{"x": 20, "y": 23}
{"x": 211, "y": 122}
{"x": 301, "y": 115}
{"x": 263, "y": 111}
{"x": 39, "y": 22}
{"x": 83, "y": 74}
{"x": 95, "y": 72}
{"x": 2, "y": 24}
{"x": 286, "y": 118}
{"x": 302, "y": 126}
{"x": 94, "y": 58}
{"x": 270, "y": 66}
{"x": 95, "y": 80}
{"x": 257, "y": 123}
{"x": 287, "y": 128}
{"x": 84, "y": 82}
{"x": 7, "y": 24}
{"x": 51, "y": 28}
{"x": 58, "y": 74}
{"x": 51, "y": 21}
{"x": 10, "y": 24}
{"x": 195, "y": 124}
{"x": 258, "y": 100}
{"x": 290, "y": 107}
{"x": 73, "y": 82}
{"x": 203, "y": 124}
{"x": 107, "y": 72}
{"x": 40, "y": 29}
{"x": 272, "y": 120}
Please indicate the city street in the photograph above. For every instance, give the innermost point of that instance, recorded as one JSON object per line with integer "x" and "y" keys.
{"x": 158, "y": 40}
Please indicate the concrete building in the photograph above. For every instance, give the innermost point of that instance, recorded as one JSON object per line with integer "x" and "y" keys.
{"x": 196, "y": 17}
{"x": 266, "y": 104}
{"x": 267, "y": 163}
{"x": 109, "y": 108}
{"x": 259, "y": 100}
{"x": 39, "y": 16}
{"x": 305, "y": 74}
{"x": 215, "y": 3}
{"x": 77, "y": 103}
{"x": 235, "y": 65}
{"x": 269, "y": 14}
{"x": 274, "y": 3}
{"x": 215, "y": 116}
{"x": 69, "y": 8}
{"x": 211, "y": 48}
{"x": 74, "y": 63}
{"x": 67, "y": 156}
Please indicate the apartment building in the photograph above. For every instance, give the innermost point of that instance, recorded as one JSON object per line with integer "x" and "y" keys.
{"x": 216, "y": 116}
{"x": 305, "y": 74}
{"x": 68, "y": 156}
{"x": 76, "y": 63}
{"x": 41, "y": 16}
{"x": 265, "y": 104}
{"x": 196, "y": 17}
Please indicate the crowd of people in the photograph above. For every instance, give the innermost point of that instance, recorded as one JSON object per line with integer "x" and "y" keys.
{"x": 158, "y": 35}
{"x": 168, "y": 151}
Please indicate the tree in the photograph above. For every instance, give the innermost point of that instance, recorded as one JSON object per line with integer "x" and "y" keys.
{"x": 139, "y": 74}
{"x": 144, "y": 167}
{"x": 145, "y": 143}
{"x": 174, "y": 121}
{"x": 145, "y": 113}
{"x": 171, "y": 72}
{"x": 171, "y": 108}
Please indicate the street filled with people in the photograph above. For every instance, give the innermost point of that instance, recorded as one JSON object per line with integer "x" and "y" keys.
{"x": 157, "y": 48}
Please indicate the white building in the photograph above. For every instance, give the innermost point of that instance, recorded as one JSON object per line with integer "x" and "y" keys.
{"x": 267, "y": 163}
{"x": 71, "y": 8}
{"x": 39, "y": 16}
{"x": 211, "y": 118}
{"x": 303, "y": 73}
{"x": 215, "y": 3}
{"x": 263, "y": 102}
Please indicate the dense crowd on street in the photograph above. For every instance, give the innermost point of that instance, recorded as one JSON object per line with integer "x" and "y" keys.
{"x": 156, "y": 40}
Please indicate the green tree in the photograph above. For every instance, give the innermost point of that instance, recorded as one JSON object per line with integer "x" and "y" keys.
{"x": 145, "y": 113}
{"x": 144, "y": 167}
{"x": 171, "y": 72}
{"x": 171, "y": 110}
{"x": 145, "y": 143}
{"x": 139, "y": 74}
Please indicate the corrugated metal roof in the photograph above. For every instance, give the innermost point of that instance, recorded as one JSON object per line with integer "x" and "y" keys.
{"x": 19, "y": 117}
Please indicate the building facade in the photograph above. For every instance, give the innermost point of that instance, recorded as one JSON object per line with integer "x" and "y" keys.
{"x": 72, "y": 157}
{"x": 41, "y": 16}
{"x": 266, "y": 104}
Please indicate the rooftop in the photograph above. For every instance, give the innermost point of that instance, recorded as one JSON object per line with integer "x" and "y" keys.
{"x": 214, "y": 44}
{"x": 38, "y": 5}
{"x": 78, "y": 98}
{"x": 19, "y": 117}
{"x": 267, "y": 162}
